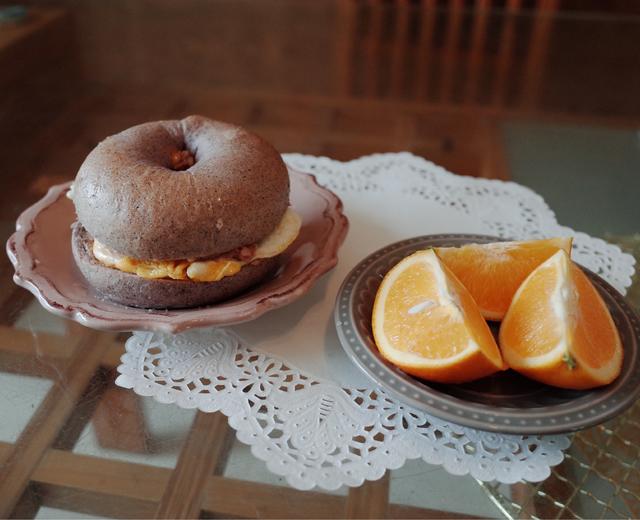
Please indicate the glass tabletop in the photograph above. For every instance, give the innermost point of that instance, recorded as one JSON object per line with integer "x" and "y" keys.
{"x": 541, "y": 92}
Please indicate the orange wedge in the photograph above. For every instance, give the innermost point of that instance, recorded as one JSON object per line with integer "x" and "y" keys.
{"x": 493, "y": 272}
{"x": 426, "y": 323}
{"x": 558, "y": 329}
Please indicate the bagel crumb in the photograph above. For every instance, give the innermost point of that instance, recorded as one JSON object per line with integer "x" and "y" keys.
{"x": 182, "y": 159}
{"x": 219, "y": 224}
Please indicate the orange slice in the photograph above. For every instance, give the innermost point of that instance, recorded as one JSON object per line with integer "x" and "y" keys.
{"x": 426, "y": 323}
{"x": 558, "y": 329}
{"x": 493, "y": 272}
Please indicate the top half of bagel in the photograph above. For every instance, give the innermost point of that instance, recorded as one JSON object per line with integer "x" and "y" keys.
{"x": 130, "y": 196}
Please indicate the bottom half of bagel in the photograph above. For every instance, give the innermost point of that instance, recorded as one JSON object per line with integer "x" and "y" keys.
{"x": 161, "y": 293}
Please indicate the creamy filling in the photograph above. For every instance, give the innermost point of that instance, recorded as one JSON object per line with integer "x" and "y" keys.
{"x": 211, "y": 270}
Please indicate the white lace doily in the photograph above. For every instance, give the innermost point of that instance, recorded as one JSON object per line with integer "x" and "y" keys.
{"x": 288, "y": 389}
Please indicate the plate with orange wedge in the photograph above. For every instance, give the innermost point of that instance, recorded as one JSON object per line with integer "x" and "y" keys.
{"x": 504, "y": 336}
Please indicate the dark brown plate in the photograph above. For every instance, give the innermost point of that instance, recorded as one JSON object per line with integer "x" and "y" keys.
{"x": 505, "y": 402}
{"x": 40, "y": 251}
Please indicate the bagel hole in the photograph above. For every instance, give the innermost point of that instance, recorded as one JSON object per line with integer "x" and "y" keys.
{"x": 181, "y": 160}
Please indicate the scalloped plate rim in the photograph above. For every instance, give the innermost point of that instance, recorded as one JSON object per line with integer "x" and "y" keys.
{"x": 400, "y": 379}
{"x": 50, "y": 297}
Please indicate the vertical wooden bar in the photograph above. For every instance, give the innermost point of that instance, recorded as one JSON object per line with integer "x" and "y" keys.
{"x": 372, "y": 49}
{"x": 345, "y": 40}
{"x": 369, "y": 500}
{"x": 451, "y": 51}
{"x": 505, "y": 53}
{"x": 476, "y": 50}
{"x": 538, "y": 51}
{"x": 202, "y": 451}
{"x": 423, "y": 56}
{"x": 48, "y": 419}
{"x": 399, "y": 54}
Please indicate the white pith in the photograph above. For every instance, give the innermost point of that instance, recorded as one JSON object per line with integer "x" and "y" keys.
{"x": 445, "y": 298}
{"x": 564, "y": 302}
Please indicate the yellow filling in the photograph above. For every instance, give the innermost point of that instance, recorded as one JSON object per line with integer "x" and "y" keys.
{"x": 202, "y": 270}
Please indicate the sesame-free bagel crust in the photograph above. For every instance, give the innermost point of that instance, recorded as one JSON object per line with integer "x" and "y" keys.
{"x": 127, "y": 196}
{"x": 136, "y": 291}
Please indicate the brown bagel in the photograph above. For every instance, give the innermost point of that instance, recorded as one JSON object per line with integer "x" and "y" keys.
{"x": 135, "y": 291}
{"x": 129, "y": 198}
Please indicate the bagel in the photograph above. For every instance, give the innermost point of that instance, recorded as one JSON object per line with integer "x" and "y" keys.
{"x": 180, "y": 213}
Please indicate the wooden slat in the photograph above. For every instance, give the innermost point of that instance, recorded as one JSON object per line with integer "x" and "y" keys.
{"x": 372, "y": 48}
{"x": 111, "y": 477}
{"x": 53, "y": 348}
{"x": 476, "y": 50}
{"x": 122, "y": 489}
{"x": 43, "y": 344}
{"x": 369, "y": 500}
{"x": 32, "y": 366}
{"x": 424, "y": 52}
{"x": 94, "y": 503}
{"x": 45, "y": 424}
{"x": 84, "y": 412}
{"x": 344, "y": 45}
{"x": 399, "y": 52}
{"x": 231, "y": 497}
{"x": 538, "y": 52}
{"x": 28, "y": 505}
{"x": 200, "y": 454}
{"x": 505, "y": 54}
{"x": 450, "y": 53}
{"x": 401, "y": 511}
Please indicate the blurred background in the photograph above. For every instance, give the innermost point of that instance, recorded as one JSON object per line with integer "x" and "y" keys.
{"x": 541, "y": 92}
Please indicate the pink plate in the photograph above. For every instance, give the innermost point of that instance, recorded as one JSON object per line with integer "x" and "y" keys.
{"x": 40, "y": 251}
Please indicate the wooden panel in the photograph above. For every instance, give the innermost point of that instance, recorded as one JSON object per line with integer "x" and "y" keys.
{"x": 369, "y": 500}
{"x": 45, "y": 424}
{"x": 200, "y": 454}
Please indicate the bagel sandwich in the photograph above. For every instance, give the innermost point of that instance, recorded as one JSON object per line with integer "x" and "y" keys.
{"x": 183, "y": 213}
